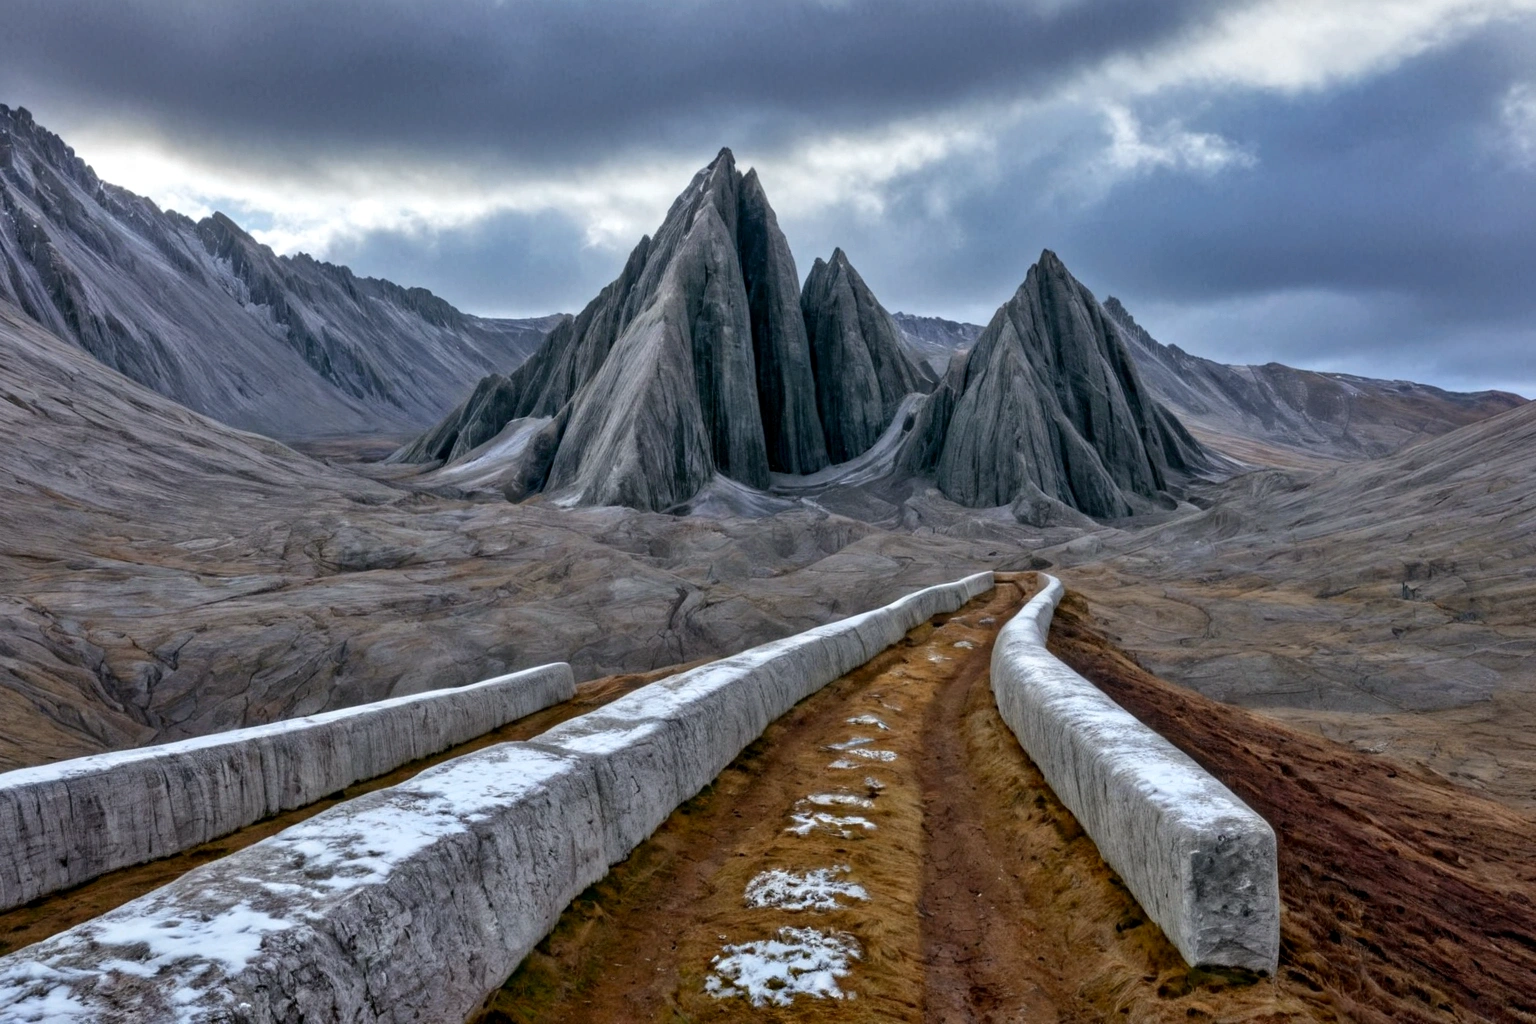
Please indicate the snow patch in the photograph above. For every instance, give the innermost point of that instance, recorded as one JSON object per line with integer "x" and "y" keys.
{"x": 866, "y": 754}
{"x": 806, "y": 821}
{"x": 818, "y": 889}
{"x": 857, "y": 741}
{"x": 772, "y": 972}
{"x": 966, "y": 644}
{"x": 838, "y": 800}
{"x": 870, "y": 720}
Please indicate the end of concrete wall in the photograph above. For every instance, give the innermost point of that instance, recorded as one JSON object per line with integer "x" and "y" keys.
{"x": 1201, "y": 863}
{"x": 63, "y": 824}
{"x": 412, "y": 903}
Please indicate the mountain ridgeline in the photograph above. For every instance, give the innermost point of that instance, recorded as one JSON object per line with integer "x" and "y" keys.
{"x": 202, "y": 313}
{"x": 695, "y": 361}
{"x": 699, "y": 360}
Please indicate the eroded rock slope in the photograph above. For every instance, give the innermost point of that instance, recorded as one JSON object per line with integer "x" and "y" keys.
{"x": 1048, "y": 407}
{"x": 1299, "y": 417}
{"x": 696, "y": 361}
{"x": 204, "y": 314}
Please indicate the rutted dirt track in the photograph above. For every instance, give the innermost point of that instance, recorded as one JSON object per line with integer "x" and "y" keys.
{"x": 978, "y": 897}
{"x": 51, "y": 914}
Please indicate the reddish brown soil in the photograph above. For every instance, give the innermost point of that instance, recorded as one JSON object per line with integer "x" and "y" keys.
{"x": 51, "y": 914}
{"x": 1407, "y": 898}
{"x": 970, "y": 957}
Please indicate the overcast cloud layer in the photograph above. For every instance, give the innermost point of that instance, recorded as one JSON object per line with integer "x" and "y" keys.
{"x": 1341, "y": 184}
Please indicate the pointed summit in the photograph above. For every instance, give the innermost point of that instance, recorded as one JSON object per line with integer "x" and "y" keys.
{"x": 694, "y": 362}
{"x": 1048, "y": 404}
{"x": 862, "y": 368}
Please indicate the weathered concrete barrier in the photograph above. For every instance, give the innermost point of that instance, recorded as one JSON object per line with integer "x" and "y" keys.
{"x": 66, "y": 823}
{"x": 413, "y": 903}
{"x": 1200, "y": 862}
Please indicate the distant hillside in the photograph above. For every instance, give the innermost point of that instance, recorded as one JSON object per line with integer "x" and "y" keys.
{"x": 1249, "y": 412}
{"x": 1267, "y": 415}
{"x": 936, "y": 339}
{"x": 204, "y": 314}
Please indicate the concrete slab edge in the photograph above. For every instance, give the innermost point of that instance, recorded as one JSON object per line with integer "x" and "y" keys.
{"x": 1201, "y": 863}
{"x": 66, "y": 823}
{"x": 413, "y": 903}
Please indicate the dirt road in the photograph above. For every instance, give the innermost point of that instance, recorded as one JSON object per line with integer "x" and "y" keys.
{"x": 944, "y": 881}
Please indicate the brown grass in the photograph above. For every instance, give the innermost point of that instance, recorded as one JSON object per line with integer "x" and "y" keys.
{"x": 1406, "y": 898}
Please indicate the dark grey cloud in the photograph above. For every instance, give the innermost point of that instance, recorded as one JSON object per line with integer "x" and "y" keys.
{"x": 1379, "y": 227}
{"x": 507, "y": 264}
{"x": 543, "y": 81}
{"x": 1382, "y": 227}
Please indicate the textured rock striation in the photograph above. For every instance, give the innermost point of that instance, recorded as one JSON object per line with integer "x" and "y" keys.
{"x": 694, "y": 362}
{"x": 862, "y": 367}
{"x": 205, "y": 315}
{"x": 1200, "y": 862}
{"x": 1048, "y": 407}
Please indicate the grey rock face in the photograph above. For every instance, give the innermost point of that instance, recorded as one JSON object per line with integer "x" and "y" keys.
{"x": 1049, "y": 401}
{"x": 696, "y": 361}
{"x": 861, "y": 366}
{"x": 785, "y": 386}
{"x": 207, "y": 316}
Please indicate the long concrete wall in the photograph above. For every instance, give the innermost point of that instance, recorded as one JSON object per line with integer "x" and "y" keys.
{"x": 65, "y": 823}
{"x": 1198, "y": 859}
{"x": 413, "y": 903}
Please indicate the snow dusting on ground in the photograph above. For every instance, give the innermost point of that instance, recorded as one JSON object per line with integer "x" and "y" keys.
{"x": 863, "y": 754}
{"x": 838, "y": 800}
{"x": 797, "y": 961}
{"x": 806, "y": 822}
{"x": 818, "y": 889}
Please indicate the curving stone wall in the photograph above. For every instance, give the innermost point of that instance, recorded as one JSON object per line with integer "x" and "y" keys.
{"x": 65, "y": 823}
{"x": 412, "y": 903}
{"x": 1198, "y": 859}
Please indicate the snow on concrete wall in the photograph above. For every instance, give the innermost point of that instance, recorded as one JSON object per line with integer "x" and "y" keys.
{"x": 1199, "y": 860}
{"x": 413, "y": 903}
{"x": 65, "y": 823}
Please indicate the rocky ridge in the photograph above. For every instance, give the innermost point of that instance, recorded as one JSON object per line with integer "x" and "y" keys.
{"x": 695, "y": 362}
{"x": 692, "y": 367}
{"x": 1048, "y": 410}
{"x": 205, "y": 315}
{"x": 936, "y": 339}
{"x": 1296, "y": 416}
{"x": 862, "y": 367}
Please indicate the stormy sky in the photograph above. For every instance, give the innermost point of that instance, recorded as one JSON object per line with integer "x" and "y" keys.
{"x": 1339, "y": 184}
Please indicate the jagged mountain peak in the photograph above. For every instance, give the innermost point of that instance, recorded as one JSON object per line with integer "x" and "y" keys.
{"x": 697, "y": 360}
{"x": 1048, "y": 407}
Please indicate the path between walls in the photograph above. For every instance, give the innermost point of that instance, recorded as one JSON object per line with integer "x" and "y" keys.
{"x": 935, "y": 878}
